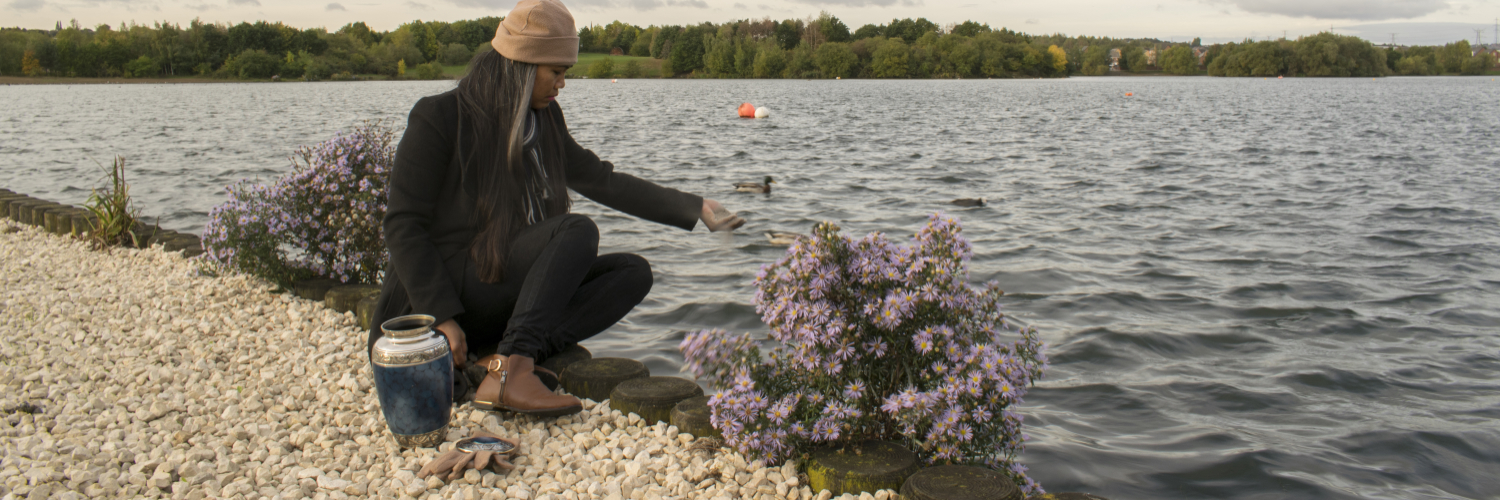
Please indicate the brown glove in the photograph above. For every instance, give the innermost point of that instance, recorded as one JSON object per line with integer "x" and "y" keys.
{"x": 455, "y": 461}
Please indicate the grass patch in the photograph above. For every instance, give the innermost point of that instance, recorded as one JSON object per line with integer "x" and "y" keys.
{"x": 650, "y": 68}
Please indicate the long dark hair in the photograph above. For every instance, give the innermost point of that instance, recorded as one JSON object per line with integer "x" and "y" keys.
{"x": 493, "y": 100}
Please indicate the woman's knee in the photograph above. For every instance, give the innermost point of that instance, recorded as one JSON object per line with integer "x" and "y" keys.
{"x": 578, "y": 225}
{"x": 638, "y": 273}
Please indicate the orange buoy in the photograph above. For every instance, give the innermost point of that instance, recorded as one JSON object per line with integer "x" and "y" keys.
{"x": 1278, "y": 77}
{"x": 747, "y": 110}
{"x": 614, "y": 81}
{"x": 1128, "y": 94}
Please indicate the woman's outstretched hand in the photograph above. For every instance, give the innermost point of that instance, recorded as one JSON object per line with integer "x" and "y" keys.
{"x": 457, "y": 343}
{"x": 717, "y": 218}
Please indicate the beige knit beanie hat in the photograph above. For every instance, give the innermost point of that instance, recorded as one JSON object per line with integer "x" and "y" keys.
{"x": 538, "y": 32}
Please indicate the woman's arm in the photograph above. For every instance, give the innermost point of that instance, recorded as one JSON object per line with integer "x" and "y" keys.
{"x": 598, "y": 180}
{"x": 423, "y": 159}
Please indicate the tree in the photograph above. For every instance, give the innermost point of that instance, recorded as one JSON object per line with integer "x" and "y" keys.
{"x": 869, "y": 31}
{"x": 1179, "y": 60}
{"x": 30, "y": 65}
{"x": 687, "y": 51}
{"x": 769, "y": 62}
{"x": 788, "y": 34}
{"x": 832, "y": 28}
{"x": 454, "y": 54}
{"x": 835, "y": 59}
{"x": 1059, "y": 59}
{"x": 889, "y": 61}
{"x": 632, "y": 69}
{"x": 142, "y": 67}
{"x": 1095, "y": 60}
{"x": 1133, "y": 59}
{"x": 970, "y": 29}
{"x": 1478, "y": 64}
{"x": 602, "y": 69}
{"x": 401, "y": 68}
{"x": 252, "y": 64}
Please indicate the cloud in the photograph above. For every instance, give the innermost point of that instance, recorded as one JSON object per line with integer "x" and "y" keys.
{"x": 741, "y": 6}
{"x": 855, "y": 3}
{"x": 417, "y": 6}
{"x": 335, "y": 6}
{"x": 27, "y": 5}
{"x": 697, "y": 4}
{"x": 245, "y": 2}
{"x": 201, "y": 7}
{"x": 1033, "y": 21}
{"x": 1363, "y": 10}
{"x": 499, "y": 4}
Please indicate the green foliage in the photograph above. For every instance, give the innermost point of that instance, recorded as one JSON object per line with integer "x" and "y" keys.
{"x": 429, "y": 71}
{"x": 454, "y": 54}
{"x": 142, "y": 67}
{"x": 836, "y": 59}
{"x": 889, "y": 61}
{"x": 632, "y": 69}
{"x": 252, "y": 64}
{"x": 114, "y": 221}
{"x": 1478, "y": 64}
{"x": 1324, "y": 54}
{"x": 746, "y": 48}
{"x": 602, "y": 69}
{"x": 687, "y": 51}
{"x": 1179, "y": 60}
{"x": 770, "y": 61}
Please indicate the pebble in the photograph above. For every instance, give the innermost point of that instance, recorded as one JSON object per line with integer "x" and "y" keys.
{"x": 154, "y": 380}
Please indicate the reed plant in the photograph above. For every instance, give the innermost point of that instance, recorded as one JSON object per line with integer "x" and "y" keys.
{"x": 115, "y": 221}
{"x": 875, "y": 340}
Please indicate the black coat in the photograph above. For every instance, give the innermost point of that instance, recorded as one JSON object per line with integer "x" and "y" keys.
{"x": 428, "y": 219}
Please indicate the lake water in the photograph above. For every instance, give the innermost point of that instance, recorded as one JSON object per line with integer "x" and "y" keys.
{"x": 1251, "y": 288}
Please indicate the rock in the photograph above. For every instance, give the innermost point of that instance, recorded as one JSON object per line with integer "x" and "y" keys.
{"x": 596, "y": 378}
{"x": 328, "y": 483}
{"x": 959, "y": 482}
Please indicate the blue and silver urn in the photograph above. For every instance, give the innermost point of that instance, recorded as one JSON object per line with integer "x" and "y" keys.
{"x": 414, "y": 378}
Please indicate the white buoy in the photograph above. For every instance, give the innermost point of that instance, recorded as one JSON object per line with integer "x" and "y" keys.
{"x": 614, "y": 81}
{"x": 762, "y": 112}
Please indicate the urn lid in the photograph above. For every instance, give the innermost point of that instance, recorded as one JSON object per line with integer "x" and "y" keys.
{"x": 408, "y": 340}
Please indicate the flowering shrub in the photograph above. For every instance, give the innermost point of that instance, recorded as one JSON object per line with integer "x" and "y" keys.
{"x": 877, "y": 341}
{"x": 322, "y": 219}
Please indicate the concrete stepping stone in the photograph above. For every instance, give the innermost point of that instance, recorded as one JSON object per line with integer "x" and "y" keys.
{"x": 344, "y": 298}
{"x": 596, "y": 378}
{"x": 691, "y": 415}
{"x": 653, "y": 398}
{"x": 561, "y": 361}
{"x": 365, "y": 311}
{"x": 864, "y": 467}
{"x": 314, "y": 289}
{"x": 959, "y": 482}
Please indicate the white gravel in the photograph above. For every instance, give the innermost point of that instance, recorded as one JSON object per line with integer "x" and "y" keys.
{"x": 153, "y": 381}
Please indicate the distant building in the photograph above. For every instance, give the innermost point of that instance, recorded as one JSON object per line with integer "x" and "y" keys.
{"x": 1201, "y": 53}
{"x": 1151, "y": 57}
{"x": 1114, "y": 59}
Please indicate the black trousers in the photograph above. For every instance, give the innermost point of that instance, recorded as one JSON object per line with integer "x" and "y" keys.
{"x": 557, "y": 291}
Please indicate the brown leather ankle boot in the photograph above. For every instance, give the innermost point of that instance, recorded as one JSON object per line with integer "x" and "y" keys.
{"x": 512, "y": 385}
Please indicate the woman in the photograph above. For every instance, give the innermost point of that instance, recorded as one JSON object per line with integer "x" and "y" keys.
{"x": 478, "y": 227}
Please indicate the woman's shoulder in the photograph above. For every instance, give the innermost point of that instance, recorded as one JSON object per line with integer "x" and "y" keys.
{"x": 441, "y": 108}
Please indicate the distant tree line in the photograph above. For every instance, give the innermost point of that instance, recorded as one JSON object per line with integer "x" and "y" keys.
{"x": 816, "y": 47}
{"x": 243, "y": 51}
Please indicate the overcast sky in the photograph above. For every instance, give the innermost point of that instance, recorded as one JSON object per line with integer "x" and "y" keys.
{"x": 1414, "y": 21}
